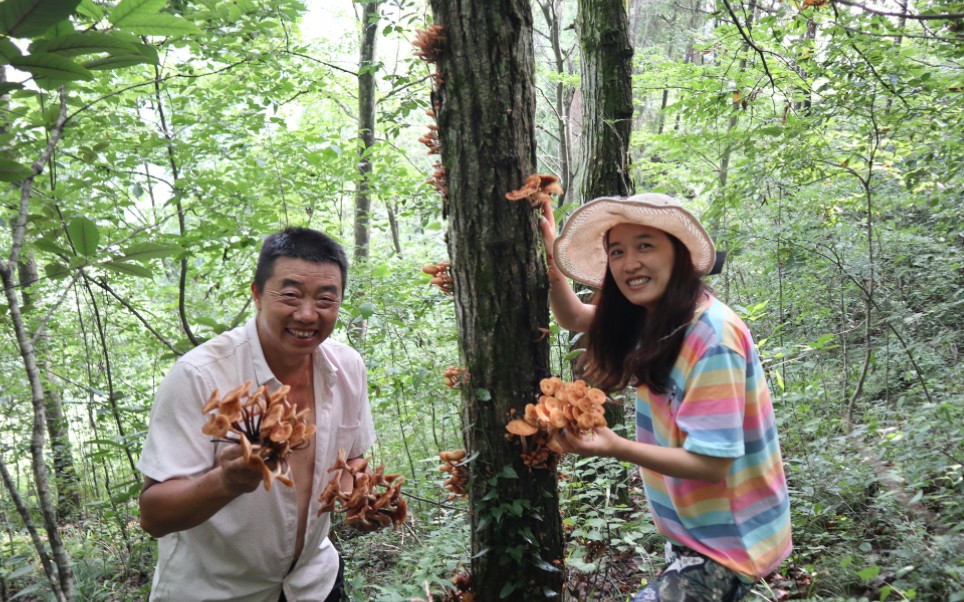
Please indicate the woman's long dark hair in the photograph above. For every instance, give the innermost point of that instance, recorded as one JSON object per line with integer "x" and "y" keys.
{"x": 627, "y": 343}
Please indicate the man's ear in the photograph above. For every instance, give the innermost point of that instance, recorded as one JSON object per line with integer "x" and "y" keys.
{"x": 256, "y": 294}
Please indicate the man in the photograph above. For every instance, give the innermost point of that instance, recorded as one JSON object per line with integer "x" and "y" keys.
{"x": 221, "y": 535}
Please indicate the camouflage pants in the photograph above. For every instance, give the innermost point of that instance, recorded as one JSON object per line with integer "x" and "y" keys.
{"x": 692, "y": 577}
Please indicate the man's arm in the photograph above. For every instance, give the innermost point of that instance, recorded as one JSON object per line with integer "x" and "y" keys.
{"x": 180, "y": 503}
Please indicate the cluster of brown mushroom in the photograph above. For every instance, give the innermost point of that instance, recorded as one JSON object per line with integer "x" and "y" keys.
{"x": 429, "y": 48}
{"x": 268, "y": 427}
{"x": 453, "y": 377}
{"x": 537, "y": 189}
{"x": 462, "y": 581}
{"x": 429, "y": 44}
{"x": 563, "y": 405}
{"x": 440, "y": 275}
{"x": 375, "y": 500}
{"x": 457, "y": 471}
{"x": 438, "y": 181}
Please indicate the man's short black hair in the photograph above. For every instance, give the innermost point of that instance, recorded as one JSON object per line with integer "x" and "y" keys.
{"x": 299, "y": 243}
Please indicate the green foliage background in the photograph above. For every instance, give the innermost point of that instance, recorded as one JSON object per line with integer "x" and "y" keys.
{"x": 822, "y": 146}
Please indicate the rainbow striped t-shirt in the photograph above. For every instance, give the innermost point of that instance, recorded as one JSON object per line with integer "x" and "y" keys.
{"x": 717, "y": 404}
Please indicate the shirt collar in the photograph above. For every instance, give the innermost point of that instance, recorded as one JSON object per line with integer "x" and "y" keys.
{"x": 263, "y": 373}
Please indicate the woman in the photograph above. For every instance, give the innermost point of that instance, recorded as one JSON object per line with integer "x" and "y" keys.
{"x": 706, "y": 441}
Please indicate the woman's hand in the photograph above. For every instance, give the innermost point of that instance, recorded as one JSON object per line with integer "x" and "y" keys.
{"x": 571, "y": 313}
{"x": 670, "y": 461}
{"x": 547, "y": 222}
{"x": 601, "y": 441}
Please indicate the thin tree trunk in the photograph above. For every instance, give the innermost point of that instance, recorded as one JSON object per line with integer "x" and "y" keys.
{"x": 109, "y": 373}
{"x": 393, "y": 226}
{"x": 486, "y": 119}
{"x": 552, "y": 11}
{"x": 58, "y": 428}
{"x": 181, "y": 220}
{"x": 63, "y": 586}
{"x": 27, "y": 519}
{"x": 366, "y": 130}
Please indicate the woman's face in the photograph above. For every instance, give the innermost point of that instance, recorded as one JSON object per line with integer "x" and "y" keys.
{"x": 641, "y": 262}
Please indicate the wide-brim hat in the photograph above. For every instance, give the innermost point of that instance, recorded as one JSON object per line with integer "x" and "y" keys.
{"x": 580, "y": 250}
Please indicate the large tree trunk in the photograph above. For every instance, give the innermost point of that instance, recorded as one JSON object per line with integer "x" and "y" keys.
{"x": 607, "y": 110}
{"x": 607, "y": 99}
{"x": 485, "y": 107}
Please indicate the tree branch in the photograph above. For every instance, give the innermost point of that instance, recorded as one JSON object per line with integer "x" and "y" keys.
{"x": 750, "y": 42}
{"x": 918, "y": 17}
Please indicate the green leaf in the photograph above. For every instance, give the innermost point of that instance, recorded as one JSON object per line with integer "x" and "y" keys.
{"x": 546, "y": 566}
{"x": 90, "y": 10}
{"x": 56, "y": 270}
{"x": 84, "y": 234}
{"x": 131, "y": 269}
{"x": 869, "y": 573}
{"x": 8, "y": 50}
{"x": 45, "y": 244}
{"x": 51, "y": 66}
{"x": 11, "y": 171}
{"x": 132, "y": 9}
{"x": 160, "y": 25}
{"x": 118, "y": 61}
{"x": 8, "y": 87}
{"x": 508, "y": 472}
{"x": 88, "y": 42}
{"x": 507, "y": 589}
{"x": 30, "y": 18}
{"x": 367, "y": 309}
{"x": 149, "y": 52}
{"x": 149, "y": 250}
{"x": 483, "y": 394}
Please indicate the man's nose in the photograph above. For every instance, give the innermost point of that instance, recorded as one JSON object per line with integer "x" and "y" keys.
{"x": 306, "y": 312}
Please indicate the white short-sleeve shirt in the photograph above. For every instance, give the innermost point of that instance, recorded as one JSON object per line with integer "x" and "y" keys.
{"x": 244, "y": 553}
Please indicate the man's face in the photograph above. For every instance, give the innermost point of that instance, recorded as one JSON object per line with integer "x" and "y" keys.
{"x": 298, "y": 308}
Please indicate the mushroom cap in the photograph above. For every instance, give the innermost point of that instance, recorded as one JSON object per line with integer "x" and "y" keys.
{"x": 521, "y": 428}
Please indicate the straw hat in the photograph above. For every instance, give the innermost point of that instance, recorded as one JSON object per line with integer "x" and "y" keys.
{"x": 580, "y": 249}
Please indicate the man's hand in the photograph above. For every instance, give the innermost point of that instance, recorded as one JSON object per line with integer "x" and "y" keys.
{"x": 240, "y": 476}
{"x": 181, "y": 503}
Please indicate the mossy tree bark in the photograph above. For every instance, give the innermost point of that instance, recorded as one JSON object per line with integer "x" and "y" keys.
{"x": 607, "y": 99}
{"x": 485, "y": 108}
